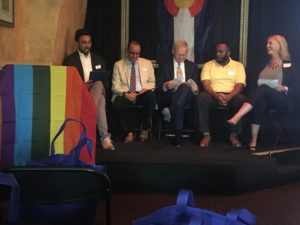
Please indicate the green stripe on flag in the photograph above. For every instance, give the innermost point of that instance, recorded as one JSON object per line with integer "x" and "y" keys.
{"x": 41, "y": 112}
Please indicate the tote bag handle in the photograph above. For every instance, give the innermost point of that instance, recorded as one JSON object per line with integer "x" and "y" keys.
{"x": 185, "y": 199}
{"x": 83, "y": 140}
{"x": 242, "y": 215}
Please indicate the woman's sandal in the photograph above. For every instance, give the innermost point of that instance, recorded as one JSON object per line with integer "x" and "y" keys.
{"x": 230, "y": 124}
{"x": 252, "y": 148}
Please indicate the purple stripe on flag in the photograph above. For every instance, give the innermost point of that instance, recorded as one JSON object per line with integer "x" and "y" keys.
{"x": 8, "y": 116}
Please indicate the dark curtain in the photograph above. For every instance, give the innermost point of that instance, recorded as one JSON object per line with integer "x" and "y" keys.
{"x": 103, "y": 19}
{"x": 226, "y": 24}
{"x": 142, "y": 26}
{"x": 271, "y": 17}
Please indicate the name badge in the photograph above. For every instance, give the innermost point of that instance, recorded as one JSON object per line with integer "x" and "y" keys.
{"x": 231, "y": 72}
{"x": 98, "y": 67}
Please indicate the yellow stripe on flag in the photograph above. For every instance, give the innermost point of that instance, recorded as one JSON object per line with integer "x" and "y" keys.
{"x": 58, "y": 104}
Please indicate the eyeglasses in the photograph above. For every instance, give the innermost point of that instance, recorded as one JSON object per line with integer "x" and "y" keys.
{"x": 134, "y": 53}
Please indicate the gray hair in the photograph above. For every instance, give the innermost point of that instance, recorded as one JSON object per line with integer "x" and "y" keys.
{"x": 179, "y": 43}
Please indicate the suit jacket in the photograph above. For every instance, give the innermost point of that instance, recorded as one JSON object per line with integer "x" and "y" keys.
{"x": 121, "y": 76}
{"x": 166, "y": 72}
{"x": 98, "y": 62}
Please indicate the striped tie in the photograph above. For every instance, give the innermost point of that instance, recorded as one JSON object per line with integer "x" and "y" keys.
{"x": 132, "y": 87}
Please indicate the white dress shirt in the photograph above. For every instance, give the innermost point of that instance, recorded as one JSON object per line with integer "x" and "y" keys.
{"x": 182, "y": 67}
{"x": 86, "y": 63}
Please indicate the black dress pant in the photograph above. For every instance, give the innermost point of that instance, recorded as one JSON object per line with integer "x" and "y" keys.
{"x": 265, "y": 97}
{"x": 122, "y": 106}
{"x": 177, "y": 101}
{"x": 205, "y": 102}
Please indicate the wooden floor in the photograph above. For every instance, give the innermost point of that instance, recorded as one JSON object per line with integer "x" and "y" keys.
{"x": 276, "y": 206}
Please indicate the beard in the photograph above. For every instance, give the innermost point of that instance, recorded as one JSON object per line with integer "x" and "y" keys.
{"x": 222, "y": 60}
{"x": 85, "y": 51}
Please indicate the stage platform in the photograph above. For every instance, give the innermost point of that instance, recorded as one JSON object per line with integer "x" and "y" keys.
{"x": 157, "y": 166}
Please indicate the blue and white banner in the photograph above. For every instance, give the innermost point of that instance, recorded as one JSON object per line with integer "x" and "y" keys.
{"x": 189, "y": 20}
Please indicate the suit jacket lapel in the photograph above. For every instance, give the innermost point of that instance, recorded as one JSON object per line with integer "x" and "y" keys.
{"x": 93, "y": 62}
{"x": 126, "y": 71}
{"x": 79, "y": 66}
{"x": 187, "y": 71}
{"x": 141, "y": 71}
{"x": 171, "y": 70}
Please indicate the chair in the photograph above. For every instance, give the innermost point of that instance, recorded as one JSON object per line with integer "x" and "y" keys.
{"x": 280, "y": 119}
{"x": 62, "y": 195}
{"x": 218, "y": 116}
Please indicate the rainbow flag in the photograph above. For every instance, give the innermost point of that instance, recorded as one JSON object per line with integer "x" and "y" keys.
{"x": 35, "y": 102}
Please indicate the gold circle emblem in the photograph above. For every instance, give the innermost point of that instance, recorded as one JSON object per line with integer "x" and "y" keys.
{"x": 184, "y": 3}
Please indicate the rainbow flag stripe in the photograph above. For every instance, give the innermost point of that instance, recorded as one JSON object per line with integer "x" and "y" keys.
{"x": 35, "y": 102}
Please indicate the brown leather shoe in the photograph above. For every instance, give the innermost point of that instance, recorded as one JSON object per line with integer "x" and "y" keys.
{"x": 235, "y": 141}
{"x": 129, "y": 137}
{"x": 144, "y": 135}
{"x": 204, "y": 143}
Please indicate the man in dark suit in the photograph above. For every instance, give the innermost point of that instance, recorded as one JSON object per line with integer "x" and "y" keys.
{"x": 85, "y": 62}
{"x": 177, "y": 86}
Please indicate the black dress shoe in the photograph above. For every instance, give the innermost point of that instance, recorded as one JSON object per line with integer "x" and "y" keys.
{"x": 177, "y": 141}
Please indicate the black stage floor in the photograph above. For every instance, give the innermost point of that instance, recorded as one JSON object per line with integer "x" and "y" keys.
{"x": 157, "y": 166}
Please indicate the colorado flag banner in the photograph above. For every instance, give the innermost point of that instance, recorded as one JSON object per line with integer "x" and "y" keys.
{"x": 190, "y": 20}
{"x": 35, "y": 101}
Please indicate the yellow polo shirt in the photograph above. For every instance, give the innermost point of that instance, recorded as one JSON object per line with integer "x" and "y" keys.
{"x": 223, "y": 78}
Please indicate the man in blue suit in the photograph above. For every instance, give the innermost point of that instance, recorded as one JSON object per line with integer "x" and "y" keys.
{"x": 177, "y": 86}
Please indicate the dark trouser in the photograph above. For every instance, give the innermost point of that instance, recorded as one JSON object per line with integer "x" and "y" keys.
{"x": 122, "y": 106}
{"x": 265, "y": 97}
{"x": 177, "y": 101}
{"x": 205, "y": 102}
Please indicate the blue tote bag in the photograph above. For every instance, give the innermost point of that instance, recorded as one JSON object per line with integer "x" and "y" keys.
{"x": 184, "y": 213}
{"x": 73, "y": 158}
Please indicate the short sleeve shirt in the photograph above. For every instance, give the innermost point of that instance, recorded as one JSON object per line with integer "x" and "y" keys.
{"x": 223, "y": 78}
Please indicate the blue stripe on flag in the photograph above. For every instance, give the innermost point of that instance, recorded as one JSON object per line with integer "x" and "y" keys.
{"x": 23, "y": 92}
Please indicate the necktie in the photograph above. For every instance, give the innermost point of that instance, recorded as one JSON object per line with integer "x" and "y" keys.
{"x": 179, "y": 73}
{"x": 132, "y": 86}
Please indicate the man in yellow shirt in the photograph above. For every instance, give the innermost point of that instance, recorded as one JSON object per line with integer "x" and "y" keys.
{"x": 223, "y": 80}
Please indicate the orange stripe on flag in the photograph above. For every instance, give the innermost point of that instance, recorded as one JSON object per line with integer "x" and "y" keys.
{"x": 73, "y": 108}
